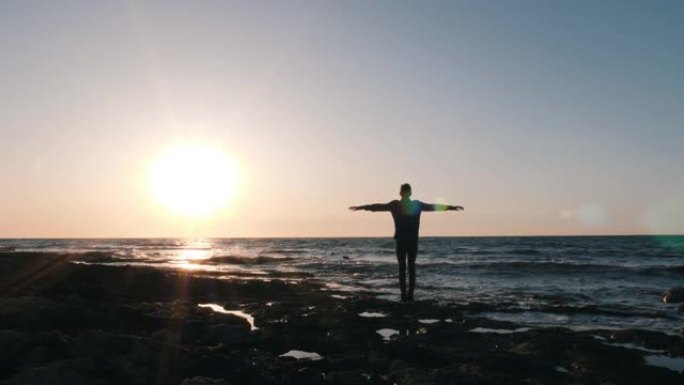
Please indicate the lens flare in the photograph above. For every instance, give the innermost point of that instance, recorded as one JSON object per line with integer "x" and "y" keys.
{"x": 440, "y": 203}
{"x": 667, "y": 217}
{"x": 592, "y": 215}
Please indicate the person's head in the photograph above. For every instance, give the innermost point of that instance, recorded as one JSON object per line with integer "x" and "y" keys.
{"x": 405, "y": 190}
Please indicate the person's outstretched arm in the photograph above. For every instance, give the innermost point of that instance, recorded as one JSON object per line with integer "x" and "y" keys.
{"x": 372, "y": 207}
{"x": 440, "y": 207}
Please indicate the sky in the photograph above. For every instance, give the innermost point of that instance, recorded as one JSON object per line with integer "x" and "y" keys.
{"x": 539, "y": 117}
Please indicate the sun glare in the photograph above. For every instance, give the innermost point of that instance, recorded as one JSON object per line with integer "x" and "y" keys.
{"x": 193, "y": 180}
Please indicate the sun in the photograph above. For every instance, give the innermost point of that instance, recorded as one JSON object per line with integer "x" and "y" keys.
{"x": 193, "y": 180}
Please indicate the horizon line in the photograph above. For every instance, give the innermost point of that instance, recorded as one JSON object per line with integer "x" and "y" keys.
{"x": 351, "y": 237}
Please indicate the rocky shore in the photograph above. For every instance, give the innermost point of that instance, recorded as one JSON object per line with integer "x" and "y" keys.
{"x": 75, "y": 323}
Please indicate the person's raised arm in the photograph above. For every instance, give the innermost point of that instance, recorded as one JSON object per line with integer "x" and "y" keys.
{"x": 440, "y": 207}
{"x": 372, "y": 207}
{"x": 454, "y": 208}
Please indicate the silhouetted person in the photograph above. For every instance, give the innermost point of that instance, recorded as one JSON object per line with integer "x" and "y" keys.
{"x": 406, "y": 215}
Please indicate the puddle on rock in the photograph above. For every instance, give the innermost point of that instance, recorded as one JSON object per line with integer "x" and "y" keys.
{"x": 367, "y": 314}
{"x": 498, "y": 331}
{"x": 301, "y": 355}
{"x": 561, "y": 369}
{"x": 428, "y": 321}
{"x": 672, "y": 363}
{"x": 238, "y": 313}
{"x": 387, "y": 334}
{"x": 635, "y": 347}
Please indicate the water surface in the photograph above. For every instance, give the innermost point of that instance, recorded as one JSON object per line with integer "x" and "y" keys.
{"x": 577, "y": 282}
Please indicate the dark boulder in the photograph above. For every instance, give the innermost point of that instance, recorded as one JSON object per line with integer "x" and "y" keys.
{"x": 227, "y": 334}
{"x": 61, "y": 372}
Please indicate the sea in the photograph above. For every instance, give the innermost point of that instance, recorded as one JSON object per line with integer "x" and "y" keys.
{"x": 582, "y": 283}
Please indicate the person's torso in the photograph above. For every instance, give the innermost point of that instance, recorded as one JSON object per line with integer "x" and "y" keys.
{"x": 406, "y": 215}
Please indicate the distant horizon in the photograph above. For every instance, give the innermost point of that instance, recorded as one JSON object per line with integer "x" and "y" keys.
{"x": 357, "y": 237}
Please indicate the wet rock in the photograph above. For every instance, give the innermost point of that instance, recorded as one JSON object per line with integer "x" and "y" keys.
{"x": 673, "y": 295}
{"x": 11, "y": 342}
{"x": 204, "y": 381}
{"x": 165, "y": 336}
{"x": 405, "y": 374}
{"x": 31, "y": 313}
{"x": 85, "y": 370}
{"x": 62, "y": 372}
{"x": 347, "y": 377}
{"x": 138, "y": 331}
{"x": 227, "y": 334}
{"x": 102, "y": 345}
{"x": 36, "y": 348}
{"x": 264, "y": 363}
{"x": 193, "y": 331}
{"x": 377, "y": 359}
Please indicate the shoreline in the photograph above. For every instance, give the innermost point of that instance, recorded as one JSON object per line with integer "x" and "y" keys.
{"x": 62, "y": 322}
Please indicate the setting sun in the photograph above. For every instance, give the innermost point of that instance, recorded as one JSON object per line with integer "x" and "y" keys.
{"x": 193, "y": 180}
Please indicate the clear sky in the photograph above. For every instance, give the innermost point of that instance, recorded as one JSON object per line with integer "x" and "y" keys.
{"x": 540, "y": 117}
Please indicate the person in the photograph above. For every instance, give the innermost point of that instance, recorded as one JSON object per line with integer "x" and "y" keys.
{"x": 406, "y": 215}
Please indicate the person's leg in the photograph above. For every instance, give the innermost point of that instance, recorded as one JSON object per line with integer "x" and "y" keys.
{"x": 401, "y": 259}
{"x": 412, "y": 252}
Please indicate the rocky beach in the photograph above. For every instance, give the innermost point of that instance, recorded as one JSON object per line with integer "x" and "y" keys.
{"x": 68, "y": 322}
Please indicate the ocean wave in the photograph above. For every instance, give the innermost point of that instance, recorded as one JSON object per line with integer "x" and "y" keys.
{"x": 286, "y": 251}
{"x": 676, "y": 269}
{"x": 505, "y": 251}
{"x": 104, "y": 257}
{"x": 169, "y": 247}
{"x": 594, "y": 309}
{"x": 517, "y": 266}
{"x": 523, "y": 251}
{"x": 237, "y": 260}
